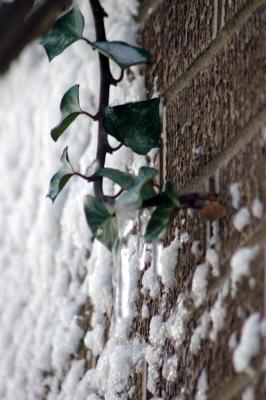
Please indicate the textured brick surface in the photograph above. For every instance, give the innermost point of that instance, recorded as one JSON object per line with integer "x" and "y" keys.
{"x": 217, "y": 103}
{"x": 211, "y": 112}
{"x": 229, "y": 9}
{"x": 248, "y": 169}
{"x": 175, "y": 43}
{"x": 215, "y": 357}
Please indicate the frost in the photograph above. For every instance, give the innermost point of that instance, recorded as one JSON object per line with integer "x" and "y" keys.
{"x": 249, "y": 345}
{"x": 235, "y": 193}
{"x": 202, "y": 387}
{"x": 240, "y": 265}
{"x": 257, "y": 208}
{"x": 199, "y": 284}
{"x": 241, "y": 219}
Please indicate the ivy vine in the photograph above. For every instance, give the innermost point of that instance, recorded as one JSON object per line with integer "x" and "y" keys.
{"x": 135, "y": 125}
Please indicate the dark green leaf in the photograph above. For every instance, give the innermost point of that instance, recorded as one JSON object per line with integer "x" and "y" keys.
{"x": 162, "y": 214}
{"x": 142, "y": 189}
{"x": 123, "y": 179}
{"x": 101, "y": 223}
{"x": 65, "y": 31}
{"x": 70, "y": 109}
{"x": 122, "y": 53}
{"x": 136, "y": 125}
{"x": 60, "y": 179}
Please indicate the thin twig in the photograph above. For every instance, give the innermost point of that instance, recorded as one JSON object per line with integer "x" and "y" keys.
{"x": 91, "y": 178}
{"x": 95, "y": 117}
{"x": 106, "y": 79}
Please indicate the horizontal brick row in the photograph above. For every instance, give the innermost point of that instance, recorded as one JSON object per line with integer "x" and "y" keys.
{"x": 247, "y": 168}
{"x": 217, "y": 103}
{"x": 176, "y": 33}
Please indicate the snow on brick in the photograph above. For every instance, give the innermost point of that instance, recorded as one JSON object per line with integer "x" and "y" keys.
{"x": 200, "y": 283}
{"x": 241, "y": 264}
{"x": 241, "y": 219}
{"x": 249, "y": 345}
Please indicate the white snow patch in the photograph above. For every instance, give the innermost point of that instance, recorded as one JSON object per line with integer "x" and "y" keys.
{"x": 213, "y": 260}
{"x": 249, "y": 345}
{"x": 145, "y": 312}
{"x": 202, "y": 387}
{"x": 168, "y": 261}
{"x": 200, "y": 284}
{"x": 150, "y": 283}
{"x": 235, "y": 193}
{"x": 200, "y": 333}
{"x": 241, "y": 219}
{"x": 257, "y": 208}
{"x": 240, "y": 265}
{"x": 198, "y": 151}
{"x": 218, "y": 312}
{"x": 249, "y": 393}
{"x": 169, "y": 370}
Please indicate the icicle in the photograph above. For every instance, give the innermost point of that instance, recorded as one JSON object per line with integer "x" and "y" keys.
{"x": 126, "y": 220}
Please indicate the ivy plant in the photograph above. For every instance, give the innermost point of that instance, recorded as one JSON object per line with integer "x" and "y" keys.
{"x": 135, "y": 125}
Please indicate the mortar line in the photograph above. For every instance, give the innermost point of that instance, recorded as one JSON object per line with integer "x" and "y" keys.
{"x": 232, "y": 149}
{"x": 232, "y": 27}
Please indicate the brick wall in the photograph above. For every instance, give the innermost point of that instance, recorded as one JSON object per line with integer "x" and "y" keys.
{"x": 210, "y": 67}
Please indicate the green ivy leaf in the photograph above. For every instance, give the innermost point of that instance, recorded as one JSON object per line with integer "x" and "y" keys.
{"x": 162, "y": 214}
{"x": 141, "y": 190}
{"x": 101, "y": 223}
{"x": 65, "y": 31}
{"x": 123, "y": 179}
{"x": 136, "y": 125}
{"x": 70, "y": 110}
{"x": 122, "y": 53}
{"x": 60, "y": 179}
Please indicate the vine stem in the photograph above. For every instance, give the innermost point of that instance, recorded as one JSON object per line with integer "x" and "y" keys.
{"x": 106, "y": 80}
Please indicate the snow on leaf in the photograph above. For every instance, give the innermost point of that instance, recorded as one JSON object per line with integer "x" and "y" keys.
{"x": 122, "y": 53}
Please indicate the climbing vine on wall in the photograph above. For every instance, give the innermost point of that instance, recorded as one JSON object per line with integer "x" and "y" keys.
{"x": 135, "y": 125}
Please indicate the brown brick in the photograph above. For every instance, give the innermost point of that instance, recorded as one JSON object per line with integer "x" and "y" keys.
{"x": 216, "y": 104}
{"x": 176, "y": 33}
